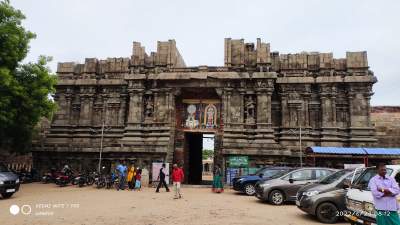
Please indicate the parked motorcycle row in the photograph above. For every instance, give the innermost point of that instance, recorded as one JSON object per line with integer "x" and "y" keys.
{"x": 67, "y": 177}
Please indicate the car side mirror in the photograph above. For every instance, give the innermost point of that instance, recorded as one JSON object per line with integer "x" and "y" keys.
{"x": 291, "y": 180}
{"x": 261, "y": 175}
{"x": 346, "y": 184}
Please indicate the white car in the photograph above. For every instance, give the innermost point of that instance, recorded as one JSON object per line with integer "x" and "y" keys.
{"x": 359, "y": 200}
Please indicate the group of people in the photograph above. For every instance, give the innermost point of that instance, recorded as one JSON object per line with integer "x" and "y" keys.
{"x": 132, "y": 175}
{"x": 177, "y": 178}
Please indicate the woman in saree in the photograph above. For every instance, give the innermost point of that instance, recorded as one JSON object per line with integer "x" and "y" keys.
{"x": 217, "y": 187}
{"x": 131, "y": 177}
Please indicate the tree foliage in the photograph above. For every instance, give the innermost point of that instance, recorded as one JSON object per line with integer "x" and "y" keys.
{"x": 24, "y": 88}
{"x": 207, "y": 154}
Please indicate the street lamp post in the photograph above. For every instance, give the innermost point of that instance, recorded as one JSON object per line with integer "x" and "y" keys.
{"x": 101, "y": 146}
{"x": 103, "y": 128}
{"x": 300, "y": 148}
{"x": 300, "y": 142}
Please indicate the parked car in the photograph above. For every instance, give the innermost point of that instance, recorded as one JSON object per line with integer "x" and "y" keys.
{"x": 285, "y": 186}
{"x": 326, "y": 198}
{"x": 359, "y": 201}
{"x": 9, "y": 182}
{"x": 246, "y": 184}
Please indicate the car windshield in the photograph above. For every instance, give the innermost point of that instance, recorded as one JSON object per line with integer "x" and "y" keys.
{"x": 363, "y": 180}
{"x": 3, "y": 168}
{"x": 259, "y": 171}
{"x": 280, "y": 173}
{"x": 333, "y": 177}
{"x": 267, "y": 173}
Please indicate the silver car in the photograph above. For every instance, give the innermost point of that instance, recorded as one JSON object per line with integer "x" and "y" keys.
{"x": 284, "y": 188}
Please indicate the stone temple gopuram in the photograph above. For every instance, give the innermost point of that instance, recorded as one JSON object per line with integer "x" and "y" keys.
{"x": 155, "y": 108}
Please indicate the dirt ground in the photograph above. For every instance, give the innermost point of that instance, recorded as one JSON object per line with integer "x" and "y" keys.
{"x": 50, "y": 204}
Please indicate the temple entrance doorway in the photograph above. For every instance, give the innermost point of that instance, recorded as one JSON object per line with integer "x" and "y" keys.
{"x": 198, "y": 120}
{"x": 199, "y": 159}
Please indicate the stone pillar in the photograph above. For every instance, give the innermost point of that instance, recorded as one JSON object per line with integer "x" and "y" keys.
{"x": 325, "y": 110}
{"x": 135, "y": 107}
{"x": 226, "y": 105}
{"x": 86, "y": 110}
{"x": 285, "y": 111}
{"x": 263, "y": 108}
{"x": 68, "y": 101}
{"x": 171, "y": 107}
{"x": 242, "y": 104}
{"x": 269, "y": 107}
{"x": 122, "y": 109}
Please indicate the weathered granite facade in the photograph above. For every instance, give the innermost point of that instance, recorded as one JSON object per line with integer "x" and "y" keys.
{"x": 254, "y": 104}
{"x": 386, "y": 120}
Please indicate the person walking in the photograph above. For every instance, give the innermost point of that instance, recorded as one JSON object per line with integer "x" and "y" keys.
{"x": 217, "y": 187}
{"x": 161, "y": 178}
{"x": 121, "y": 168}
{"x": 138, "y": 180}
{"x": 384, "y": 191}
{"x": 131, "y": 177}
{"x": 177, "y": 178}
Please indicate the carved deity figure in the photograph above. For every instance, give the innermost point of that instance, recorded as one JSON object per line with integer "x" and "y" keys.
{"x": 149, "y": 106}
{"x": 210, "y": 116}
{"x": 250, "y": 109}
{"x": 191, "y": 121}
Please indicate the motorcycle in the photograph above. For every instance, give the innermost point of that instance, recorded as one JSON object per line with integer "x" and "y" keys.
{"x": 109, "y": 181}
{"x": 91, "y": 178}
{"x": 116, "y": 183}
{"x": 85, "y": 179}
{"x": 64, "y": 179}
{"x": 25, "y": 177}
{"x": 50, "y": 176}
{"x": 100, "y": 181}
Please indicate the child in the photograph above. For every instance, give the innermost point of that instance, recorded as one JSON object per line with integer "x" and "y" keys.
{"x": 138, "y": 183}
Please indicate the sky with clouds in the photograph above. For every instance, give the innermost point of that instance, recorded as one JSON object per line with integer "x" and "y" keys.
{"x": 72, "y": 30}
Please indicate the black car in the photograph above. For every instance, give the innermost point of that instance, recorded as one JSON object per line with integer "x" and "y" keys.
{"x": 9, "y": 182}
{"x": 325, "y": 198}
{"x": 246, "y": 184}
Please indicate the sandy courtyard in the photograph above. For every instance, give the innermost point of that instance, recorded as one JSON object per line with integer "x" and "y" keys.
{"x": 50, "y": 204}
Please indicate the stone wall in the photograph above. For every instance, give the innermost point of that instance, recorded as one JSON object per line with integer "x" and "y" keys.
{"x": 266, "y": 97}
{"x": 386, "y": 120}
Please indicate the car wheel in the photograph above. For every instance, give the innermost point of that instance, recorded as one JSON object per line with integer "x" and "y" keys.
{"x": 327, "y": 213}
{"x": 249, "y": 189}
{"x": 276, "y": 197}
{"x": 7, "y": 195}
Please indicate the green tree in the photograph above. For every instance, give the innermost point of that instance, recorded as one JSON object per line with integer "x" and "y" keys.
{"x": 24, "y": 88}
{"x": 207, "y": 153}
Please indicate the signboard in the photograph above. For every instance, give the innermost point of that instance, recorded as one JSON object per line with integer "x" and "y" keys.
{"x": 156, "y": 171}
{"x": 238, "y": 161}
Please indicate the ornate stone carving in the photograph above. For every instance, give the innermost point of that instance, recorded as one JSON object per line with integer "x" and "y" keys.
{"x": 148, "y": 106}
{"x": 250, "y": 108}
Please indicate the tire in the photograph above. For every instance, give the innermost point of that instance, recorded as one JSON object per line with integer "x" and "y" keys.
{"x": 81, "y": 184}
{"x": 249, "y": 189}
{"x": 45, "y": 180}
{"x": 90, "y": 181}
{"x": 7, "y": 195}
{"x": 276, "y": 197}
{"x": 326, "y": 213}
